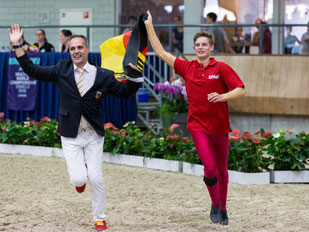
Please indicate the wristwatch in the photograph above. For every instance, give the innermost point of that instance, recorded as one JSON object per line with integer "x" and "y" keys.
{"x": 17, "y": 46}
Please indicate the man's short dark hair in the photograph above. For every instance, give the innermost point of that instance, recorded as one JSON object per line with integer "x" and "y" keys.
{"x": 206, "y": 34}
{"x": 79, "y": 36}
{"x": 213, "y": 16}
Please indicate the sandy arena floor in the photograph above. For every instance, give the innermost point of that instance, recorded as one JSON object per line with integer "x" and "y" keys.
{"x": 36, "y": 195}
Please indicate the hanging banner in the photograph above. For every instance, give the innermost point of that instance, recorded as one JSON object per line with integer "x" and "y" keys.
{"x": 21, "y": 88}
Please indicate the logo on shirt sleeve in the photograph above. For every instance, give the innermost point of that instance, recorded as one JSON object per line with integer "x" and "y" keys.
{"x": 213, "y": 77}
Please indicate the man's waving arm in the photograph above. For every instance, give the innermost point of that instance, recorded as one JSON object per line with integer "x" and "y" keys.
{"x": 49, "y": 74}
{"x": 16, "y": 34}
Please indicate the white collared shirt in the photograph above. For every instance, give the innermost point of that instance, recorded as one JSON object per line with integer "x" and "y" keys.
{"x": 89, "y": 76}
{"x": 88, "y": 81}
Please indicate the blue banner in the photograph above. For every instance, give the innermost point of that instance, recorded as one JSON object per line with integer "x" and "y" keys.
{"x": 21, "y": 88}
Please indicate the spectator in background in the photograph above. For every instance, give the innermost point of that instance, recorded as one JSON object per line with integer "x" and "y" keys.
{"x": 131, "y": 20}
{"x": 266, "y": 40}
{"x": 289, "y": 41}
{"x": 266, "y": 37}
{"x": 238, "y": 39}
{"x": 255, "y": 38}
{"x": 178, "y": 34}
{"x": 304, "y": 43}
{"x": 65, "y": 35}
{"x": 42, "y": 44}
{"x": 163, "y": 37}
{"x": 220, "y": 38}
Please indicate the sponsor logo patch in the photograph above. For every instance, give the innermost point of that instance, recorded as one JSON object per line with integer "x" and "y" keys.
{"x": 213, "y": 77}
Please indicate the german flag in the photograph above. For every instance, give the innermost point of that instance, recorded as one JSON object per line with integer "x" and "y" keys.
{"x": 131, "y": 47}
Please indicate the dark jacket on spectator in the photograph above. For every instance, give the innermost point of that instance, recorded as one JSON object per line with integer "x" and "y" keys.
{"x": 47, "y": 47}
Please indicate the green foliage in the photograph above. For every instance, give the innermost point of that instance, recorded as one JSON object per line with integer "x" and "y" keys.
{"x": 43, "y": 133}
{"x": 287, "y": 152}
{"x": 166, "y": 145}
{"x": 247, "y": 153}
{"x": 174, "y": 100}
{"x": 166, "y": 112}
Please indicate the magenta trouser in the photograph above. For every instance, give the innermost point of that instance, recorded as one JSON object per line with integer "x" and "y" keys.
{"x": 213, "y": 150}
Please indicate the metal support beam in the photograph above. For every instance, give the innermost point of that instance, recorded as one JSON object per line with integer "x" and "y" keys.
{"x": 277, "y": 44}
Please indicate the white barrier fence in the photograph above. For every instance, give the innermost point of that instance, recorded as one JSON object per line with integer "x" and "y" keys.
{"x": 167, "y": 165}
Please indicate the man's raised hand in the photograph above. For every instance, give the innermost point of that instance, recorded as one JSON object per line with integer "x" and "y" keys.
{"x": 149, "y": 19}
{"x": 16, "y": 34}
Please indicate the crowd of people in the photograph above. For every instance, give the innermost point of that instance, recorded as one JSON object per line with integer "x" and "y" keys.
{"x": 238, "y": 43}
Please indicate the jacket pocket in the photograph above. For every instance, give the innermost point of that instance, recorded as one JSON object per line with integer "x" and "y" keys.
{"x": 63, "y": 112}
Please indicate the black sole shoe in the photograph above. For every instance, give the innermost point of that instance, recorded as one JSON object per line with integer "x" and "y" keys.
{"x": 224, "y": 220}
{"x": 214, "y": 213}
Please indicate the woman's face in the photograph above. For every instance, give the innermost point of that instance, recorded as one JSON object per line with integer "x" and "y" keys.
{"x": 202, "y": 48}
{"x": 63, "y": 38}
{"x": 177, "y": 20}
{"x": 39, "y": 36}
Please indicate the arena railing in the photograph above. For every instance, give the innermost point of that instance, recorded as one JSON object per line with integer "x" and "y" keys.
{"x": 168, "y": 26}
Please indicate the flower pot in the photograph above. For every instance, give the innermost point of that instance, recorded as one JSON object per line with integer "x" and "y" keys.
{"x": 143, "y": 95}
{"x": 249, "y": 178}
{"x": 289, "y": 176}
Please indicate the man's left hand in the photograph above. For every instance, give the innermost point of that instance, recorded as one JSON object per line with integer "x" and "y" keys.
{"x": 133, "y": 66}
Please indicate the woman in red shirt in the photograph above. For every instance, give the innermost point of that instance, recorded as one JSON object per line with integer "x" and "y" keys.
{"x": 209, "y": 84}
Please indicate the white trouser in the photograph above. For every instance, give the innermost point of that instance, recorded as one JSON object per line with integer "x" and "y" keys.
{"x": 87, "y": 146}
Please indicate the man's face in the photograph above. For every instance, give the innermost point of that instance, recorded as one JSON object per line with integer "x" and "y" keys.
{"x": 132, "y": 21}
{"x": 202, "y": 48}
{"x": 258, "y": 21}
{"x": 209, "y": 20}
{"x": 79, "y": 51}
{"x": 176, "y": 20}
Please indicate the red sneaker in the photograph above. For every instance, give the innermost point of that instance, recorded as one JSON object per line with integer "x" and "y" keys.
{"x": 81, "y": 188}
{"x": 100, "y": 225}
